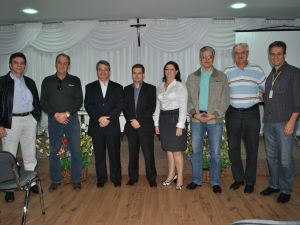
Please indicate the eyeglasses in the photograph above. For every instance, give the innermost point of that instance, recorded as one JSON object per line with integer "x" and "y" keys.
{"x": 59, "y": 86}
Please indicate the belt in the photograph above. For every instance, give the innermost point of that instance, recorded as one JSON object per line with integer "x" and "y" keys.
{"x": 21, "y": 114}
{"x": 203, "y": 111}
{"x": 243, "y": 109}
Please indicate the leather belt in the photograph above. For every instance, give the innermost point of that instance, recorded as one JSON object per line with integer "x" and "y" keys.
{"x": 21, "y": 114}
{"x": 243, "y": 109}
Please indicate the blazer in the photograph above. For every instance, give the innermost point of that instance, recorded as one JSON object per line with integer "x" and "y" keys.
{"x": 96, "y": 106}
{"x": 7, "y": 86}
{"x": 144, "y": 110}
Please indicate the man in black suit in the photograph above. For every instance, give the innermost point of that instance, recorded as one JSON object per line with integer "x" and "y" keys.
{"x": 139, "y": 106}
{"x": 104, "y": 103}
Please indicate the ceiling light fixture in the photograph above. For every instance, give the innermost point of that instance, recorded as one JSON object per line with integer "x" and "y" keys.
{"x": 239, "y": 5}
{"x": 30, "y": 11}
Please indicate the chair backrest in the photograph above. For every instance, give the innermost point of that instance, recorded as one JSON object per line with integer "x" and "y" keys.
{"x": 265, "y": 222}
{"x": 8, "y": 163}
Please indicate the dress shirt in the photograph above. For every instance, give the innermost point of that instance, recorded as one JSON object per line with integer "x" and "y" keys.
{"x": 103, "y": 87}
{"x": 136, "y": 93}
{"x": 175, "y": 97}
{"x": 22, "y": 96}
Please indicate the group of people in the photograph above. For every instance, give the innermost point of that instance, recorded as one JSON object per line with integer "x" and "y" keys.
{"x": 208, "y": 97}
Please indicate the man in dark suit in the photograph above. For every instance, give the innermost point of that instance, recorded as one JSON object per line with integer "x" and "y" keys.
{"x": 104, "y": 103}
{"x": 139, "y": 106}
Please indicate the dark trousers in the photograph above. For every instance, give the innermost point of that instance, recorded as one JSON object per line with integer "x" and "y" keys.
{"x": 113, "y": 147}
{"x": 243, "y": 125}
{"x": 136, "y": 140}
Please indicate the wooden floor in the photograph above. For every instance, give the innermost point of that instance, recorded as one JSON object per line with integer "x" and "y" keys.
{"x": 141, "y": 204}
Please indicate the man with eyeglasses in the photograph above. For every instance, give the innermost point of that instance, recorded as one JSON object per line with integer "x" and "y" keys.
{"x": 19, "y": 113}
{"x": 208, "y": 99}
{"x": 61, "y": 98}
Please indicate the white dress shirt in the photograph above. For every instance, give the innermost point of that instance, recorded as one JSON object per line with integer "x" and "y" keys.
{"x": 175, "y": 97}
{"x": 103, "y": 87}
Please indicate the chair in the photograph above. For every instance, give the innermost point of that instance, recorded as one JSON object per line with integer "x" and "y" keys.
{"x": 13, "y": 178}
{"x": 265, "y": 222}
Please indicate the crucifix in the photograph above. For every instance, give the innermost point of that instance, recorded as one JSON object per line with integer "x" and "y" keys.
{"x": 137, "y": 26}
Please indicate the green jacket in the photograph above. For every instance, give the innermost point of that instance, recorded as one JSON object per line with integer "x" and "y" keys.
{"x": 218, "y": 96}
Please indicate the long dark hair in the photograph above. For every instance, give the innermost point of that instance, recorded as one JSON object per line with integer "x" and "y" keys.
{"x": 177, "y": 77}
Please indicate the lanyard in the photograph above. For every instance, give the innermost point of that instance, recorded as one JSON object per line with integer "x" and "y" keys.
{"x": 275, "y": 78}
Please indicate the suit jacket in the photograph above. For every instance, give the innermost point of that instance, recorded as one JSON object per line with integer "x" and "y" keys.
{"x": 97, "y": 106}
{"x": 144, "y": 110}
{"x": 7, "y": 86}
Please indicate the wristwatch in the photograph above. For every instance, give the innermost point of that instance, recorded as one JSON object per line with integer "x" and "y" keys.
{"x": 193, "y": 115}
{"x": 68, "y": 114}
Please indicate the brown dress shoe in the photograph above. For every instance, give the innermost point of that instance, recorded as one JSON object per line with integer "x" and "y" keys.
{"x": 53, "y": 187}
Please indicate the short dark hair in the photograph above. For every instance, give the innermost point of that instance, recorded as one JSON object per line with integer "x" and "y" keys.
{"x": 279, "y": 44}
{"x": 176, "y": 68}
{"x": 103, "y": 62}
{"x": 64, "y": 55}
{"x": 138, "y": 66}
{"x": 16, "y": 55}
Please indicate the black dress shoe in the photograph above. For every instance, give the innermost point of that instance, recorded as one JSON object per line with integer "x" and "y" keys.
{"x": 283, "y": 198}
{"x": 77, "y": 186}
{"x": 269, "y": 190}
{"x": 192, "y": 186}
{"x": 248, "y": 189}
{"x": 152, "y": 183}
{"x": 100, "y": 184}
{"x": 131, "y": 182}
{"x": 9, "y": 197}
{"x": 216, "y": 189}
{"x": 236, "y": 185}
{"x": 34, "y": 189}
{"x": 53, "y": 187}
{"x": 117, "y": 184}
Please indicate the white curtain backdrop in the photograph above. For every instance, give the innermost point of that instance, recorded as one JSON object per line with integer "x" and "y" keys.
{"x": 89, "y": 41}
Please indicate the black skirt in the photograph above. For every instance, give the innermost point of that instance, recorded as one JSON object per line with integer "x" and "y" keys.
{"x": 167, "y": 126}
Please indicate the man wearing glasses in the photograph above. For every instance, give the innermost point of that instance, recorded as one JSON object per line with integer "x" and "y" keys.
{"x": 61, "y": 98}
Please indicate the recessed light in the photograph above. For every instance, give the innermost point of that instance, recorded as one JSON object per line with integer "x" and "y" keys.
{"x": 239, "y": 5}
{"x": 30, "y": 11}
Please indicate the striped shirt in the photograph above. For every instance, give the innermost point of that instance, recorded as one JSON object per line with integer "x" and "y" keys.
{"x": 245, "y": 85}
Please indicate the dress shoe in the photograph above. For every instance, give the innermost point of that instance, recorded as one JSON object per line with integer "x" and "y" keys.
{"x": 100, "y": 184}
{"x": 9, "y": 197}
{"x": 283, "y": 198}
{"x": 168, "y": 182}
{"x": 236, "y": 185}
{"x": 248, "y": 189}
{"x": 131, "y": 182}
{"x": 269, "y": 190}
{"x": 152, "y": 183}
{"x": 192, "y": 186}
{"x": 34, "y": 189}
{"x": 216, "y": 189}
{"x": 117, "y": 184}
{"x": 77, "y": 186}
{"x": 53, "y": 187}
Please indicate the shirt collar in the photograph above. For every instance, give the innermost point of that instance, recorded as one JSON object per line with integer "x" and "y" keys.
{"x": 103, "y": 84}
{"x": 139, "y": 86}
{"x": 12, "y": 76}
{"x": 280, "y": 68}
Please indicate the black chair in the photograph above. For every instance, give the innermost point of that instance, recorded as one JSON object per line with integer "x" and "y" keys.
{"x": 265, "y": 222}
{"x": 13, "y": 178}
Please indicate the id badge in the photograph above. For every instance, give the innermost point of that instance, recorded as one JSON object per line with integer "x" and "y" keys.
{"x": 271, "y": 94}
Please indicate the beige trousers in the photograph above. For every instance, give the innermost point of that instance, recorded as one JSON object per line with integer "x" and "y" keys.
{"x": 23, "y": 131}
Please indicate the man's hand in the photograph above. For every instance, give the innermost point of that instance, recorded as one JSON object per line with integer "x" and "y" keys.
{"x": 61, "y": 118}
{"x": 289, "y": 128}
{"x": 2, "y": 132}
{"x": 204, "y": 117}
{"x": 135, "y": 124}
{"x": 103, "y": 121}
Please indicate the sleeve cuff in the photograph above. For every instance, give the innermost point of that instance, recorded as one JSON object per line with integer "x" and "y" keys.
{"x": 180, "y": 125}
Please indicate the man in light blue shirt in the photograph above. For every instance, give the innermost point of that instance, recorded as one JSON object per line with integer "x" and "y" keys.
{"x": 246, "y": 84}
